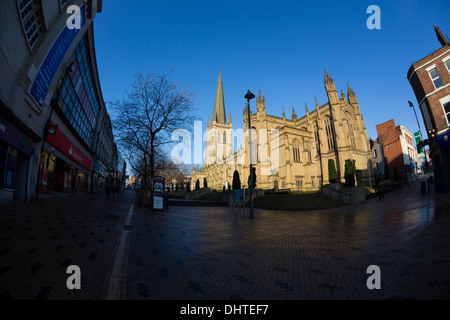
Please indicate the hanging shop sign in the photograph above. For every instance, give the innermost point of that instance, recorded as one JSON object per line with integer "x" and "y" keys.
{"x": 14, "y": 137}
{"x": 48, "y": 68}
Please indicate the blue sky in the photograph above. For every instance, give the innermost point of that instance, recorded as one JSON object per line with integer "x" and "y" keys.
{"x": 278, "y": 47}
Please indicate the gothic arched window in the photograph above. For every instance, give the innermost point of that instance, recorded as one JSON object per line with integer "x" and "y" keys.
{"x": 296, "y": 150}
{"x": 329, "y": 131}
{"x": 351, "y": 133}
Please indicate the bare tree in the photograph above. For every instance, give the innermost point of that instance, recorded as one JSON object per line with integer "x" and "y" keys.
{"x": 145, "y": 120}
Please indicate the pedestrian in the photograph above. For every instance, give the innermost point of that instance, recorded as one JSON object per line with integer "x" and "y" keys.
{"x": 381, "y": 192}
{"x": 114, "y": 192}
{"x": 108, "y": 191}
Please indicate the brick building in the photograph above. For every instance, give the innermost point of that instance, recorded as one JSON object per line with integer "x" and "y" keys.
{"x": 430, "y": 80}
{"x": 401, "y": 157}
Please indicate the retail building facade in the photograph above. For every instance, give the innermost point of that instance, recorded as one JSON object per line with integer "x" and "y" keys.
{"x": 50, "y": 98}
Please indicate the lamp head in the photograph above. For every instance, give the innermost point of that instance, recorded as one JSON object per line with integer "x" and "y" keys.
{"x": 249, "y": 95}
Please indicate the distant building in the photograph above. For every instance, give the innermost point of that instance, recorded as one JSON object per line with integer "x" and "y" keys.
{"x": 399, "y": 151}
{"x": 430, "y": 80}
{"x": 378, "y": 160}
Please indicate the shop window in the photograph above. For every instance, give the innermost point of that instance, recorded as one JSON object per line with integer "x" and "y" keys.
{"x": 3, "y": 151}
{"x": 11, "y": 160}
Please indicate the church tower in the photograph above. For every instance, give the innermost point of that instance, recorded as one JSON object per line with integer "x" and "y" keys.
{"x": 218, "y": 144}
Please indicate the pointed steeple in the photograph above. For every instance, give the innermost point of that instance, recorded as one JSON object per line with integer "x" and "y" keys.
{"x": 219, "y": 105}
{"x": 284, "y": 115}
{"x": 294, "y": 116}
{"x": 209, "y": 121}
{"x": 229, "y": 119}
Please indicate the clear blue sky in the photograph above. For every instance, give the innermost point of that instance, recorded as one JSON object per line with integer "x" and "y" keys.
{"x": 278, "y": 47}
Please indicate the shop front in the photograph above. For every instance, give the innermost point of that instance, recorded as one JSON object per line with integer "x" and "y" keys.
{"x": 63, "y": 166}
{"x": 100, "y": 175}
{"x": 15, "y": 151}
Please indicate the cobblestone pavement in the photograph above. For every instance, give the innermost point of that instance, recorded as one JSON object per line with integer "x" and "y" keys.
{"x": 214, "y": 253}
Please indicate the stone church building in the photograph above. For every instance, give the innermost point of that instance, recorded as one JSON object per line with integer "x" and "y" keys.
{"x": 287, "y": 153}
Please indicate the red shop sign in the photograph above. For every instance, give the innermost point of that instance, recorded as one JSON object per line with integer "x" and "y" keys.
{"x": 60, "y": 141}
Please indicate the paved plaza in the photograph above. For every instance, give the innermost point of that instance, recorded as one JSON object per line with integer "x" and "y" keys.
{"x": 217, "y": 253}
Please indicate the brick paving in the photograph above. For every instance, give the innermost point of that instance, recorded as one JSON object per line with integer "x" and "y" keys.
{"x": 211, "y": 253}
{"x": 39, "y": 240}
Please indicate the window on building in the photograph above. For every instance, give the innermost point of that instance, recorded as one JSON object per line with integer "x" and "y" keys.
{"x": 426, "y": 116}
{"x": 374, "y": 153}
{"x": 296, "y": 150}
{"x": 446, "y": 107}
{"x": 308, "y": 152}
{"x": 350, "y": 131}
{"x": 77, "y": 98}
{"x": 447, "y": 64}
{"x": 62, "y": 3}
{"x": 316, "y": 137}
{"x": 436, "y": 78}
{"x": 298, "y": 183}
{"x": 329, "y": 131}
{"x": 31, "y": 15}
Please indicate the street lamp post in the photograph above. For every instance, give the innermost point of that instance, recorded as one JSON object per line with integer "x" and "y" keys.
{"x": 250, "y": 96}
{"x": 411, "y": 105}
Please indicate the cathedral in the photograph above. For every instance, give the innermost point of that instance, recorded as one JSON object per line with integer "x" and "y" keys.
{"x": 288, "y": 154}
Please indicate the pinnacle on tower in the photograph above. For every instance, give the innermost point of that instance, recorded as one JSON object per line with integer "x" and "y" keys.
{"x": 328, "y": 79}
{"x": 294, "y": 116}
{"x": 351, "y": 95}
{"x": 229, "y": 119}
{"x": 317, "y": 108}
{"x": 219, "y": 105}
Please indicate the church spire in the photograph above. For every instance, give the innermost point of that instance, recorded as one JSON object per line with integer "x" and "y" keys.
{"x": 219, "y": 106}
